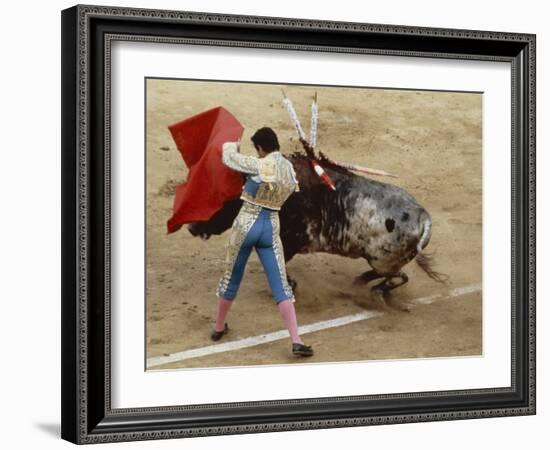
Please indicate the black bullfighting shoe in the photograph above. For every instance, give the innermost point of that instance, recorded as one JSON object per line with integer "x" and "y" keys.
{"x": 302, "y": 350}
{"x": 217, "y": 335}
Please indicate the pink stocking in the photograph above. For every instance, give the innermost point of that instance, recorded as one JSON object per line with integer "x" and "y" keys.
{"x": 286, "y": 308}
{"x": 221, "y": 313}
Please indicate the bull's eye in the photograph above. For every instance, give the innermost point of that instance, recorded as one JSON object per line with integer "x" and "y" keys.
{"x": 390, "y": 225}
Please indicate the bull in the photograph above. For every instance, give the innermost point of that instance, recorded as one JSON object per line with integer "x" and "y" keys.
{"x": 360, "y": 218}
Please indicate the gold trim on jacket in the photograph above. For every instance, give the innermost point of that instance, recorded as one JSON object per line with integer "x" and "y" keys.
{"x": 275, "y": 174}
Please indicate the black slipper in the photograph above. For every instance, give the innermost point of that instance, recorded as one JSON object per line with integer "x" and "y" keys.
{"x": 302, "y": 350}
{"x": 217, "y": 335}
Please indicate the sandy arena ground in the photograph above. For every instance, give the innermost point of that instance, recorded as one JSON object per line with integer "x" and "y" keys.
{"x": 432, "y": 140}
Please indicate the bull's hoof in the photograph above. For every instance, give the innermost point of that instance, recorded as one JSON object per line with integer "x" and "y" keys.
{"x": 379, "y": 296}
{"x": 383, "y": 298}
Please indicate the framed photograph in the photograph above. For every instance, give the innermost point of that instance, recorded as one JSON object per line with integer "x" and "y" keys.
{"x": 384, "y": 177}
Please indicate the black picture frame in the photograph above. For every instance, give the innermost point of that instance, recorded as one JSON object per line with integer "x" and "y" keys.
{"x": 87, "y": 415}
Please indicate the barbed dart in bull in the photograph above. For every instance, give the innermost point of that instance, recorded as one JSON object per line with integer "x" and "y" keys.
{"x": 322, "y": 174}
{"x": 313, "y": 125}
{"x": 293, "y": 116}
{"x": 308, "y": 147}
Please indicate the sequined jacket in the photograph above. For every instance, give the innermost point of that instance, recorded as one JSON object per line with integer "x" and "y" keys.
{"x": 271, "y": 179}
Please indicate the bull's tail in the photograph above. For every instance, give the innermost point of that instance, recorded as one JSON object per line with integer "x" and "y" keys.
{"x": 425, "y": 260}
{"x": 426, "y": 232}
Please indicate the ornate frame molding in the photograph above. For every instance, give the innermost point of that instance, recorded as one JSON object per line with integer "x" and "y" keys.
{"x": 83, "y": 421}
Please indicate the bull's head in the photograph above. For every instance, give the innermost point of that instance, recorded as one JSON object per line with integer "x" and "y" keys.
{"x": 218, "y": 223}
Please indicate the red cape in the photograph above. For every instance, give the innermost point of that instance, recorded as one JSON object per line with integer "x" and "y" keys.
{"x": 209, "y": 183}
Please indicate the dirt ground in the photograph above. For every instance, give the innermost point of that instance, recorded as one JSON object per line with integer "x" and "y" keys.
{"x": 431, "y": 140}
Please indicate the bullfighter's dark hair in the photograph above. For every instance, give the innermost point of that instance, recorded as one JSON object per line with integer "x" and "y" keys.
{"x": 266, "y": 138}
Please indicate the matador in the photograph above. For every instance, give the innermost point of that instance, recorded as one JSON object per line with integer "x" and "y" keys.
{"x": 270, "y": 181}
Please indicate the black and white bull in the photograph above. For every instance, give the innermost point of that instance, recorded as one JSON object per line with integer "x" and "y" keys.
{"x": 363, "y": 218}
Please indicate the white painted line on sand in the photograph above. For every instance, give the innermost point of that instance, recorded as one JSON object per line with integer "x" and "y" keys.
{"x": 453, "y": 293}
{"x": 304, "y": 329}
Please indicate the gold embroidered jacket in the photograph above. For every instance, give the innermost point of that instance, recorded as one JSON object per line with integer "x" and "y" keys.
{"x": 272, "y": 178}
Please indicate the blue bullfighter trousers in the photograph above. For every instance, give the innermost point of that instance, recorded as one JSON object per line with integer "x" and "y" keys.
{"x": 255, "y": 227}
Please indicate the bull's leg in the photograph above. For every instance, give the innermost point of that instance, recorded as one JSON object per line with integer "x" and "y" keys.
{"x": 381, "y": 290}
{"x": 367, "y": 277}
